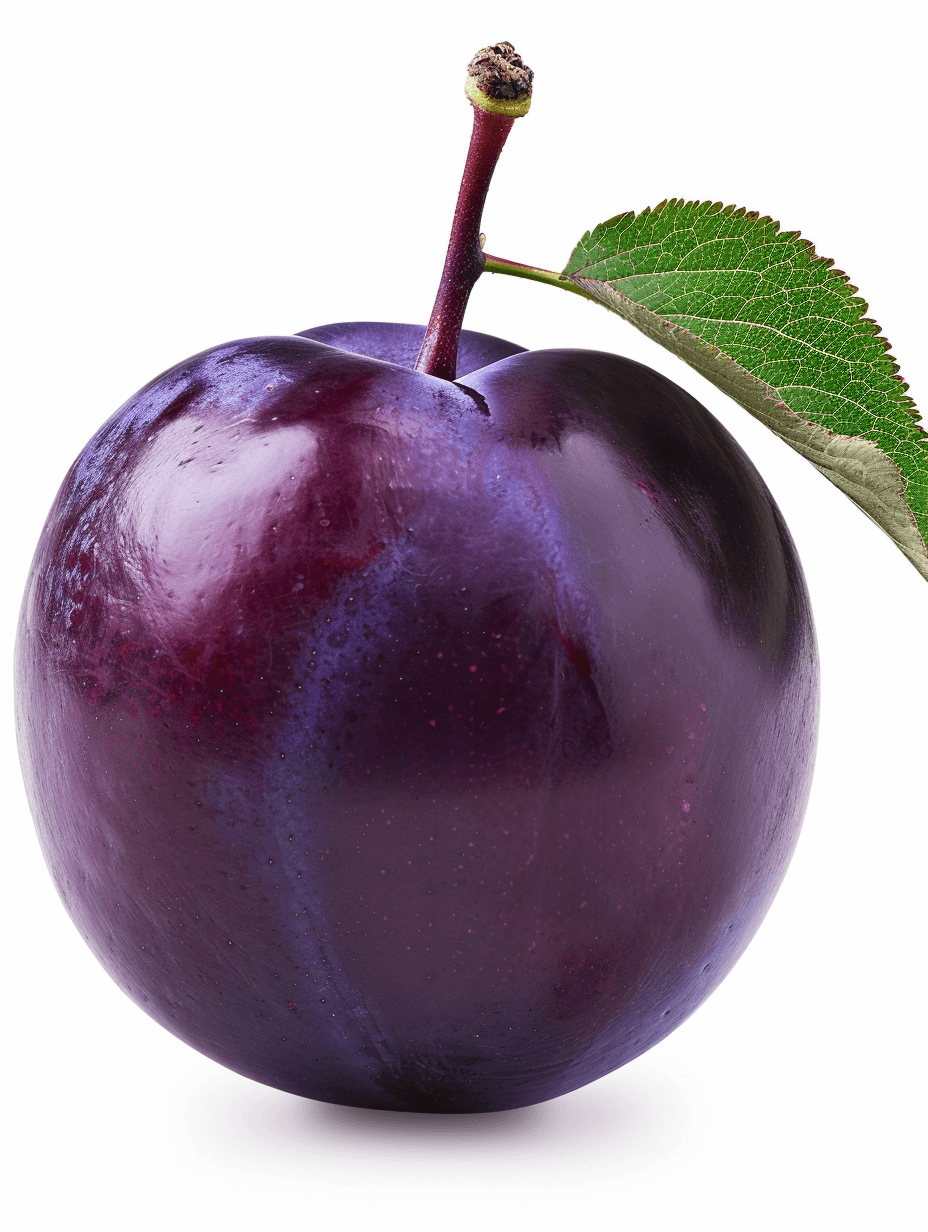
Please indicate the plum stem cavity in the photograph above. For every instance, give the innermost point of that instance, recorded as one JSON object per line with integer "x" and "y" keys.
{"x": 499, "y": 87}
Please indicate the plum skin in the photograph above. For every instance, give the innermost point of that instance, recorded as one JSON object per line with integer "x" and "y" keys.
{"x": 411, "y": 744}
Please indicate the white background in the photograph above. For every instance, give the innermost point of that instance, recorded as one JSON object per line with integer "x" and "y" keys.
{"x": 186, "y": 173}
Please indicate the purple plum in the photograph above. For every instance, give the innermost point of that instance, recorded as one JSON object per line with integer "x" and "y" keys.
{"x": 411, "y": 743}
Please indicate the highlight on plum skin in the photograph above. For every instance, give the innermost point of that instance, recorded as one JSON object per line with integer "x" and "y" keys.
{"x": 408, "y": 743}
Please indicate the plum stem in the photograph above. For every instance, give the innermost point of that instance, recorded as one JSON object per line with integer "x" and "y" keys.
{"x": 438, "y": 355}
{"x": 499, "y": 88}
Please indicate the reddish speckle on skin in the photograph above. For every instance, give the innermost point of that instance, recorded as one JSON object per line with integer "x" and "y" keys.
{"x": 646, "y": 488}
{"x": 578, "y": 654}
{"x": 685, "y": 806}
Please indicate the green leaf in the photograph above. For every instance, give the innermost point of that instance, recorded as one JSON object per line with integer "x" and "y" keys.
{"x": 779, "y": 329}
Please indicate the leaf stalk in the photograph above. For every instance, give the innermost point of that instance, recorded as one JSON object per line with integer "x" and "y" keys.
{"x": 499, "y": 265}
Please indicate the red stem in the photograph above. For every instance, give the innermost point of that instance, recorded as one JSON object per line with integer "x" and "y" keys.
{"x": 464, "y": 263}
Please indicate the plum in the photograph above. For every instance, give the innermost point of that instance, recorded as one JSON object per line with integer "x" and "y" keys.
{"x": 412, "y": 743}
{"x": 411, "y": 720}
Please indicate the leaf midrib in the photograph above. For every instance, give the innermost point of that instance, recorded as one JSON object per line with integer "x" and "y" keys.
{"x": 840, "y": 359}
{"x": 710, "y": 269}
{"x": 678, "y": 318}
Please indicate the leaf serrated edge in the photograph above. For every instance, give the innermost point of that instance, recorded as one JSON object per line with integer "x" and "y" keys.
{"x": 806, "y": 249}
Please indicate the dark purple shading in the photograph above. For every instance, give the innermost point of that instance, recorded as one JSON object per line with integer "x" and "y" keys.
{"x": 411, "y": 747}
{"x": 399, "y": 344}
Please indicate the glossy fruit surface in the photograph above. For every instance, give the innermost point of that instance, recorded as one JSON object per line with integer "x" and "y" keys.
{"x": 414, "y": 744}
